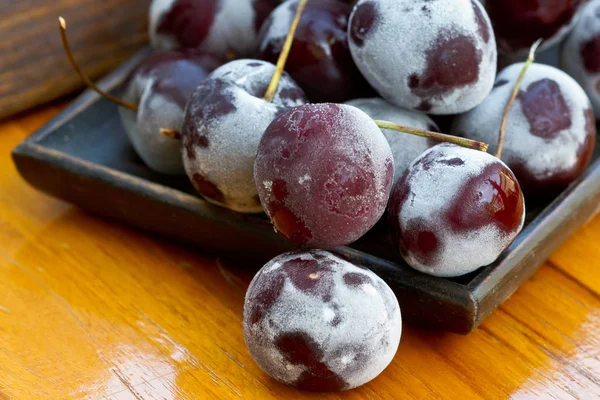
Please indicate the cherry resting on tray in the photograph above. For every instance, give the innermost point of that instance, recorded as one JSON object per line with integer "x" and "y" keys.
{"x": 224, "y": 122}
{"x": 580, "y": 55}
{"x": 550, "y": 131}
{"x": 318, "y": 322}
{"x": 405, "y": 148}
{"x": 455, "y": 210}
{"x": 519, "y": 23}
{"x": 320, "y": 60}
{"x": 438, "y": 57}
{"x": 219, "y": 27}
{"x": 323, "y": 174}
{"x": 161, "y": 86}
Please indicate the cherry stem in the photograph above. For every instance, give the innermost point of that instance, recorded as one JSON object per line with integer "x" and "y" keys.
{"x": 285, "y": 52}
{"x": 171, "y": 133}
{"x": 442, "y": 137}
{"x": 65, "y": 41}
{"x": 513, "y": 97}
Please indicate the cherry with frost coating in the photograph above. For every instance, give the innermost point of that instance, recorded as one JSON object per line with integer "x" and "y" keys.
{"x": 317, "y": 322}
{"x": 224, "y": 121}
{"x": 455, "y": 210}
{"x": 323, "y": 173}
{"x": 437, "y": 57}
{"x": 405, "y": 148}
{"x": 161, "y": 85}
{"x": 550, "y": 130}
{"x": 580, "y": 53}
{"x": 220, "y": 27}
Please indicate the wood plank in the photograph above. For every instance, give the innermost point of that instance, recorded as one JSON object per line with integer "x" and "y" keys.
{"x": 33, "y": 67}
{"x": 158, "y": 320}
{"x": 580, "y": 255}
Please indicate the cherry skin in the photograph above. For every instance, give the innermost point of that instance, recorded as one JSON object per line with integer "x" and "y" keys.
{"x": 550, "y": 132}
{"x": 518, "y": 24}
{"x": 323, "y": 174}
{"x": 317, "y": 322}
{"x": 220, "y": 27}
{"x": 437, "y": 57}
{"x": 161, "y": 86}
{"x": 320, "y": 60}
{"x": 405, "y": 148}
{"x": 224, "y": 122}
{"x": 455, "y": 210}
{"x": 580, "y": 54}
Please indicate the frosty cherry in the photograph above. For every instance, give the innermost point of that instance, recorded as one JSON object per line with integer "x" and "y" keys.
{"x": 220, "y": 27}
{"x": 455, "y": 210}
{"x": 550, "y": 130}
{"x": 161, "y": 85}
{"x": 224, "y": 122}
{"x": 438, "y": 57}
{"x": 318, "y": 322}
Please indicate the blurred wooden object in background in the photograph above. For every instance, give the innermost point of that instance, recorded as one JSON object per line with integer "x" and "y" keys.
{"x": 33, "y": 66}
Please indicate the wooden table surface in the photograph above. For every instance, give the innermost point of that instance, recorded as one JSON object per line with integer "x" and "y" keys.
{"x": 91, "y": 309}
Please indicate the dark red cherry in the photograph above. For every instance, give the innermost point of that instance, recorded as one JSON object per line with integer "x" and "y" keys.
{"x": 320, "y": 60}
{"x": 323, "y": 174}
{"x": 519, "y": 23}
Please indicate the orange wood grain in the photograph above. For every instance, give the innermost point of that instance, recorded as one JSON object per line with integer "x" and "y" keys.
{"x": 90, "y": 309}
{"x": 33, "y": 66}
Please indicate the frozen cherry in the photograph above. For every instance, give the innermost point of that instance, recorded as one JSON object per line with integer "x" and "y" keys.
{"x": 320, "y": 60}
{"x": 550, "y": 132}
{"x": 317, "y": 322}
{"x": 405, "y": 148}
{"x": 220, "y": 27}
{"x": 519, "y": 23}
{"x": 156, "y": 92}
{"x": 223, "y": 124}
{"x": 323, "y": 174}
{"x": 455, "y": 210}
{"x": 433, "y": 56}
{"x": 580, "y": 55}
{"x": 161, "y": 86}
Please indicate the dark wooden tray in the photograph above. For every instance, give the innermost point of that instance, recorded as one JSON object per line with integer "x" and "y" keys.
{"x": 83, "y": 157}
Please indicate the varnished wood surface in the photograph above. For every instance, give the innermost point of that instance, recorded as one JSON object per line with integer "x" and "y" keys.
{"x": 33, "y": 67}
{"x": 90, "y": 309}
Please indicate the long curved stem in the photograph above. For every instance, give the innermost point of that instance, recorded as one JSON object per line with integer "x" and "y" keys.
{"x": 62, "y": 24}
{"x": 513, "y": 97}
{"x": 285, "y": 52}
{"x": 464, "y": 142}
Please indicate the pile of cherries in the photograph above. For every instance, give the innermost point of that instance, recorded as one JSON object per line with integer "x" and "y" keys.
{"x": 309, "y": 147}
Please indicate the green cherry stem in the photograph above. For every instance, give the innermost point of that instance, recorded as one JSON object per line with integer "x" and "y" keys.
{"x": 464, "y": 142}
